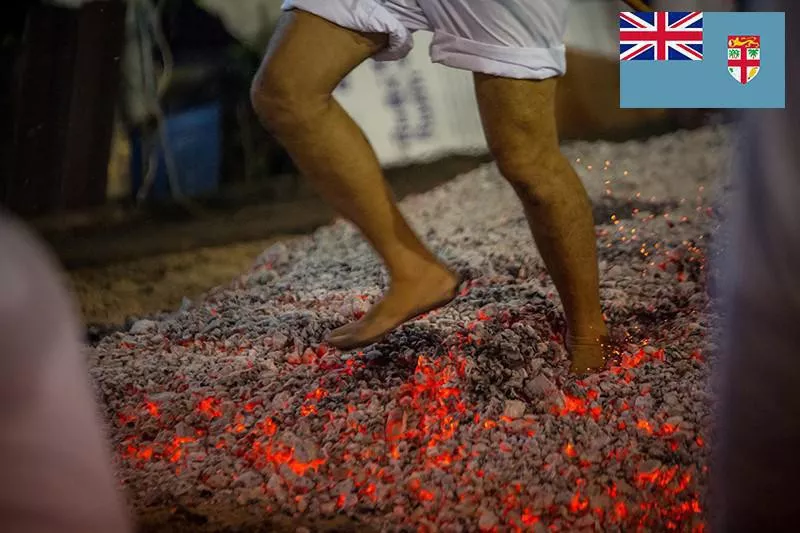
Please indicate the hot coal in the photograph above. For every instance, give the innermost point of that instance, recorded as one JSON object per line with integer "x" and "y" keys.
{"x": 466, "y": 418}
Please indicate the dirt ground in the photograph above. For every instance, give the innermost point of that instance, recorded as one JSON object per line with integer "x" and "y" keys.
{"x": 110, "y": 294}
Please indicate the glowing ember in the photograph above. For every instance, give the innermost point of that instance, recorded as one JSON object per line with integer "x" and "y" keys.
{"x": 573, "y": 405}
{"x": 152, "y": 408}
{"x": 569, "y": 450}
{"x": 210, "y": 406}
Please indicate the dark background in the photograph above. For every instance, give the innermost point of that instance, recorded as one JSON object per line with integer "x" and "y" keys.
{"x": 60, "y": 94}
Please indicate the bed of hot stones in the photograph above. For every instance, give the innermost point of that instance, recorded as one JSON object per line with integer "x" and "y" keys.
{"x": 465, "y": 419}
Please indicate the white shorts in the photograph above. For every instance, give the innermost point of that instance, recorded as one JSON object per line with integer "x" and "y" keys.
{"x": 510, "y": 38}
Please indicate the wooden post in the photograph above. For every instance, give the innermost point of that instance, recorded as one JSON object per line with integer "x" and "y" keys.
{"x": 63, "y": 107}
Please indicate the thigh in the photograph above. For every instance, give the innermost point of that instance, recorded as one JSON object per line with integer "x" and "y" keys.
{"x": 310, "y": 55}
{"x": 518, "y": 115}
{"x": 512, "y": 38}
{"x": 395, "y": 19}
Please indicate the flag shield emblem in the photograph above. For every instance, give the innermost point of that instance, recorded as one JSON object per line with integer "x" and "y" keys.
{"x": 744, "y": 57}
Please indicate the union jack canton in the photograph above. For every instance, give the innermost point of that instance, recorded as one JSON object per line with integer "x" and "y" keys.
{"x": 661, "y": 36}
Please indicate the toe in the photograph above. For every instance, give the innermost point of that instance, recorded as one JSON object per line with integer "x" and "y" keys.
{"x": 341, "y": 342}
{"x": 350, "y": 342}
{"x": 345, "y": 330}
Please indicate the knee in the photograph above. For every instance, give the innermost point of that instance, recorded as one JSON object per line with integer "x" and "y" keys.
{"x": 537, "y": 172}
{"x": 282, "y": 105}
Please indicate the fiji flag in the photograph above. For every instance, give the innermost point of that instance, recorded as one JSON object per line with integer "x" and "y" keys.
{"x": 702, "y": 60}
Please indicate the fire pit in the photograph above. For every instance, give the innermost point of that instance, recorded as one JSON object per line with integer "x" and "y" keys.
{"x": 463, "y": 420}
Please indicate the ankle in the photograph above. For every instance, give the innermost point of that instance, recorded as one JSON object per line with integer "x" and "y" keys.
{"x": 587, "y": 334}
{"x": 420, "y": 270}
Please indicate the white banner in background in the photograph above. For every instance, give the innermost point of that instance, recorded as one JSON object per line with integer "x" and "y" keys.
{"x": 412, "y": 110}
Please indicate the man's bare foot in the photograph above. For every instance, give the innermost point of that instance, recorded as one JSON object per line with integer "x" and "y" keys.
{"x": 588, "y": 354}
{"x": 403, "y": 301}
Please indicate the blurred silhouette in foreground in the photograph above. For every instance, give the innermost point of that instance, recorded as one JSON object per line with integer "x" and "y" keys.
{"x": 56, "y": 468}
{"x": 756, "y": 467}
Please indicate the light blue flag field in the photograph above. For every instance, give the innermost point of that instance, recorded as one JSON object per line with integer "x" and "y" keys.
{"x": 702, "y": 60}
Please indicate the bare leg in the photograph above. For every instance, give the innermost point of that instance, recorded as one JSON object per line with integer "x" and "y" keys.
{"x": 306, "y": 60}
{"x": 519, "y": 121}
